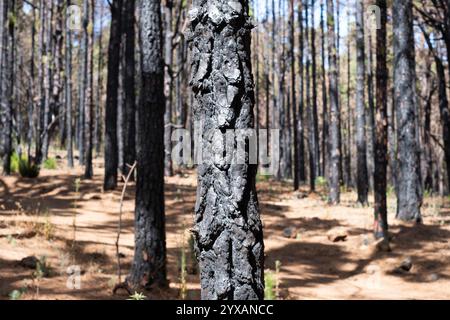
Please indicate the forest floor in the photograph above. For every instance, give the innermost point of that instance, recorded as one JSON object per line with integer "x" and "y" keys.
{"x": 37, "y": 218}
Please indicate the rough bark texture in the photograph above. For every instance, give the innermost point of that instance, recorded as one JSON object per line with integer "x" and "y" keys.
{"x": 380, "y": 223}
{"x": 362, "y": 175}
{"x": 111, "y": 149}
{"x": 129, "y": 90}
{"x": 324, "y": 94}
{"x": 6, "y": 89}
{"x": 300, "y": 124}
{"x": 68, "y": 89}
{"x": 149, "y": 264}
{"x": 228, "y": 229}
{"x": 89, "y": 103}
{"x": 334, "y": 121}
{"x": 408, "y": 155}
{"x": 443, "y": 102}
{"x": 293, "y": 91}
{"x": 168, "y": 57}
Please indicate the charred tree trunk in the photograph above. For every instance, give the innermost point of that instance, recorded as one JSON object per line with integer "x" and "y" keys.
{"x": 380, "y": 210}
{"x": 324, "y": 94}
{"x": 370, "y": 116}
{"x": 334, "y": 120}
{"x": 314, "y": 92}
{"x": 300, "y": 123}
{"x": 89, "y": 103}
{"x": 6, "y": 66}
{"x": 443, "y": 101}
{"x": 168, "y": 53}
{"x": 228, "y": 230}
{"x": 149, "y": 264}
{"x": 408, "y": 155}
{"x": 68, "y": 84}
{"x": 293, "y": 91}
{"x": 98, "y": 112}
{"x": 111, "y": 148}
{"x": 129, "y": 90}
{"x": 362, "y": 175}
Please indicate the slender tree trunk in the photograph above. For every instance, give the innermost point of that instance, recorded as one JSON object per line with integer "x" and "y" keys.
{"x": 293, "y": 92}
{"x": 314, "y": 92}
{"x": 168, "y": 52}
{"x": 381, "y": 223}
{"x": 334, "y": 121}
{"x": 362, "y": 175}
{"x": 111, "y": 148}
{"x": 370, "y": 116}
{"x": 149, "y": 263}
{"x": 7, "y": 36}
{"x": 129, "y": 90}
{"x": 89, "y": 103}
{"x": 324, "y": 94}
{"x": 408, "y": 155}
{"x": 68, "y": 79}
{"x": 300, "y": 123}
{"x": 443, "y": 102}
{"x": 98, "y": 108}
{"x": 228, "y": 230}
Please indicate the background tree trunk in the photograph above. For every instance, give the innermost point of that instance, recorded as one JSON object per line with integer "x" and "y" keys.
{"x": 111, "y": 148}
{"x": 408, "y": 155}
{"x": 149, "y": 263}
{"x": 362, "y": 175}
{"x": 334, "y": 121}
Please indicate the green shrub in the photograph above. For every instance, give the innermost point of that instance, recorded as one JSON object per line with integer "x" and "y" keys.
{"x": 50, "y": 164}
{"x": 270, "y": 283}
{"x": 28, "y": 169}
{"x": 321, "y": 182}
{"x": 15, "y": 163}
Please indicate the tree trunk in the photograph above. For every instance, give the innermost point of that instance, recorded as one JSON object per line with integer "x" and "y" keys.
{"x": 381, "y": 223}
{"x": 168, "y": 53}
{"x": 300, "y": 124}
{"x": 7, "y": 35}
{"x": 362, "y": 175}
{"x": 111, "y": 149}
{"x": 324, "y": 94}
{"x": 443, "y": 102}
{"x": 68, "y": 83}
{"x": 408, "y": 155}
{"x": 293, "y": 95}
{"x": 314, "y": 92}
{"x": 370, "y": 116}
{"x": 334, "y": 121}
{"x": 228, "y": 230}
{"x": 89, "y": 103}
{"x": 98, "y": 109}
{"x": 129, "y": 90}
{"x": 149, "y": 264}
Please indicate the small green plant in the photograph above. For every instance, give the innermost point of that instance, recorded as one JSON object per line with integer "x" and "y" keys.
{"x": 390, "y": 191}
{"x": 262, "y": 178}
{"x": 48, "y": 228}
{"x": 270, "y": 282}
{"x": 14, "y": 163}
{"x": 321, "y": 182}
{"x": 50, "y": 164}
{"x": 427, "y": 193}
{"x": 137, "y": 296}
{"x": 17, "y": 294}
{"x": 28, "y": 169}
{"x": 183, "y": 273}
{"x": 42, "y": 269}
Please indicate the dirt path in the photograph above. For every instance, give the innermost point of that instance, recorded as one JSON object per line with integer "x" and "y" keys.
{"x": 37, "y": 217}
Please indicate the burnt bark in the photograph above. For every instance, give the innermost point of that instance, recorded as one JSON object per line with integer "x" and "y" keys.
{"x": 362, "y": 175}
{"x": 89, "y": 103}
{"x": 68, "y": 89}
{"x": 228, "y": 229}
{"x": 443, "y": 101}
{"x": 129, "y": 91}
{"x": 408, "y": 155}
{"x": 149, "y": 263}
{"x": 334, "y": 120}
{"x": 380, "y": 181}
{"x": 111, "y": 143}
{"x": 300, "y": 123}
